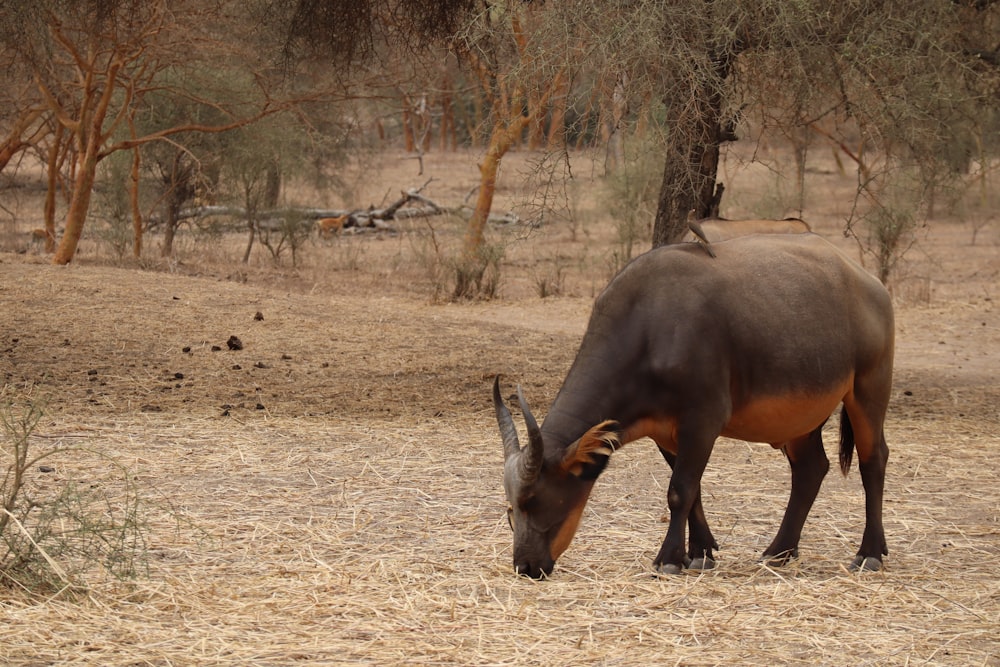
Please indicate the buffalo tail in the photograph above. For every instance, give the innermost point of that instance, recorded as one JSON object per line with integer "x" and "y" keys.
{"x": 846, "y": 441}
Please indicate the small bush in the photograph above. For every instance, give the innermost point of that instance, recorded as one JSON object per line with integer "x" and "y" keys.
{"x": 550, "y": 282}
{"x": 632, "y": 194}
{"x": 116, "y": 231}
{"x": 430, "y": 256}
{"x": 53, "y": 529}
{"x": 288, "y": 232}
{"x": 479, "y": 277}
{"x": 890, "y": 235}
{"x": 112, "y": 210}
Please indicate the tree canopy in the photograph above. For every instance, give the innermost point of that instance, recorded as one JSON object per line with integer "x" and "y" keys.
{"x": 900, "y": 87}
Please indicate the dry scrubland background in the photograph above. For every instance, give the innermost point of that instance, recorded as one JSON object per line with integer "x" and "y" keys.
{"x": 331, "y": 493}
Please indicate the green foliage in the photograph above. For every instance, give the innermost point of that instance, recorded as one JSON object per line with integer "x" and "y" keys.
{"x": 894, "y": 214}
{"x": 54, "y": 529}
{"x": 288, "y": 232}
{"x": 890, "y": 235}
{"x": 256, "y": 161}
{"x": 111, "y": 206}
{"x": 632, "y": 192}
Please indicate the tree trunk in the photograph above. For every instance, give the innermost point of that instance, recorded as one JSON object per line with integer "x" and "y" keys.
{"x": 252, "y": 228}
{"x": 688, "y": 185}
{"x": 133, "y": 196}
{"x": 83, "y": 186}
{"x": 86, "y": 172}
{"x": 500, "y": 143}
{"x": 409, "y": 142}
{"x": 449, "y": 138}
{"x": 536, "y": 128}
{"x": 425, "y": 124}
{"x": 170, "y": 222}
{"x": 504, "y": 135}
{"x": 692, "y": 157}
{"x": 169, "y": 230}
{"x": 9, "y": 150}
{"x": 179, "y": 187}
{"x": 252, "y": 200}
{"x": 471, "y": 266}
{"x": 557, "y": 123}
{"x": 615, "y": 130}
{"x": 272, "y": 185}
{"x": 52, "y": 183}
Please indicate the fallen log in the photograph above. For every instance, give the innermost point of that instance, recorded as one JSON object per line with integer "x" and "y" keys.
{"x": 411, "y": 204}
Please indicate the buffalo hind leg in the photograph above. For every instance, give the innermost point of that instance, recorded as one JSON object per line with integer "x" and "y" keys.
{"x": 701, "y": 542}
{"x": 873, "y": 547}
{"x": 809, "y": 465}
{"x": 861, "y": 420}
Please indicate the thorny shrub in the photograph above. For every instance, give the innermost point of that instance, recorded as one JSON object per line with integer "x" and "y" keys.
{"x": 64, "y": 511}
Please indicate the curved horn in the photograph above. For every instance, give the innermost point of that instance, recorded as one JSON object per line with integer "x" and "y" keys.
{"x": 508, "y": 432}
{"x": 531, "y": 460}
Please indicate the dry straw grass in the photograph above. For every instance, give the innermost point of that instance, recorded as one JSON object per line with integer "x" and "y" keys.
{"x": 357, "y": 515}
{"x": 300, "y": 541}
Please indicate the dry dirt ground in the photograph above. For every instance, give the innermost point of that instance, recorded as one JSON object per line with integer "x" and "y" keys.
{"x": 331, "y": 493}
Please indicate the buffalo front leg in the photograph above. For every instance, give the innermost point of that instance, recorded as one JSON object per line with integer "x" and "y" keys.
{"x": 809, "y": 464}
{"x": 701, "y": 542}
{"x": 682, "y": 495}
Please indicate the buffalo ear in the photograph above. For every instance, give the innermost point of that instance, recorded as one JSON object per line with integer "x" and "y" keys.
{"x": 587, "y": 457}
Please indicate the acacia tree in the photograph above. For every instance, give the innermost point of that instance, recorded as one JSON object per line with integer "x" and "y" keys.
{"x": 500, "y": 52}
{"x": 90, "y": 63}
{"x": 898, "y": 73}
{"x": 906, "y": 78}
{"x": 93, "y": 63}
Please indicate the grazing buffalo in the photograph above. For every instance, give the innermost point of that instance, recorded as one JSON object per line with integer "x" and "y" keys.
{"x": 760, "y": 343}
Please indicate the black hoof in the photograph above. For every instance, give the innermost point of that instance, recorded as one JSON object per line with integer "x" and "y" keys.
{"x": 780, "y": 559}
{"x": 703, "y": 563}
{"x": 669, "y": 568}
{"x": 865, "y": 564}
